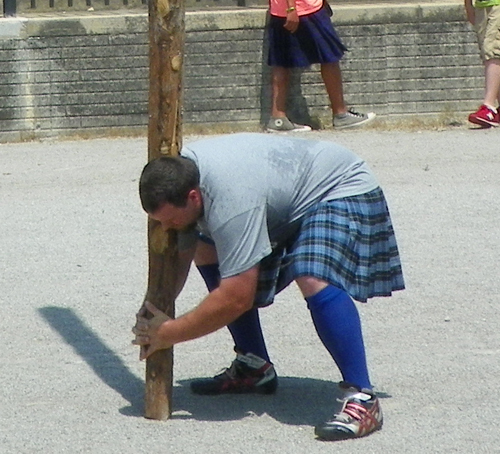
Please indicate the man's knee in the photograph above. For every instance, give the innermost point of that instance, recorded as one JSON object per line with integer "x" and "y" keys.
{"x": 309, "y": 285}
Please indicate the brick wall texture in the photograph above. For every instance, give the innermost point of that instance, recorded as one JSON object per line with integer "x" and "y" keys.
{"x": 88, "y": 74}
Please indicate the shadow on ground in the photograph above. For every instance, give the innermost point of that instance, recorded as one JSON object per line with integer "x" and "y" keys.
{"x": 298, "y": 401}
{"x": 106, "y": 364}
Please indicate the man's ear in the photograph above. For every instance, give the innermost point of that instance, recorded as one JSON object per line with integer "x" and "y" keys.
{"x": 194, "y": 195}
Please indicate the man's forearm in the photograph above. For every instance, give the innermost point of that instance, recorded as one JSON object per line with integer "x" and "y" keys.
{"x": 211, "y": 315}
{"x": 221, "y": 307}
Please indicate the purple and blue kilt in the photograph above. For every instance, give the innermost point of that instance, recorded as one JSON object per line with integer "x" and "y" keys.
{"x": 348, "y": 242}
{"x": 315, "y": 41}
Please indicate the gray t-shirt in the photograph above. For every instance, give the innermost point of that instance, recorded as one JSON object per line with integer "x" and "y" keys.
{"x": 257, "y": 187}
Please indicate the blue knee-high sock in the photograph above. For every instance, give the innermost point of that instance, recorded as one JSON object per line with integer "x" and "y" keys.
{"x": 245, "y": 330}
{"x": 337, "y": 323}
{"x": 247, "y": 334}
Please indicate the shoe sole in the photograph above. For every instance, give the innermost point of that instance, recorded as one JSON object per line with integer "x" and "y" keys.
{"x": 265, "y": 391}
{"x": 359, "y": 123}
{"x": 267, "y": 388}
{"x": 339, "y": 436}
{"x": 288, "y": 130}
{"x": 484, "y": 123}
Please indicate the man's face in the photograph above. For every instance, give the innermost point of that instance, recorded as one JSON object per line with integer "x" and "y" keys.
{"x": 180, "y": 218}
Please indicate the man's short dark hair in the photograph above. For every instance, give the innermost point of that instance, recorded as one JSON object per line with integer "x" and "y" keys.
{"x": 167, "y": 180}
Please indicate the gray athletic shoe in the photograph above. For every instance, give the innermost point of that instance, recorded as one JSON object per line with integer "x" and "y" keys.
{"x": 283, "y": 124}
{"x": 352, "y": 119}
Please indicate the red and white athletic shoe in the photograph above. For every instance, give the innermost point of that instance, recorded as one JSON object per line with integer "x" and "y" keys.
{"x": 485, "y": 117}
{"x": 360, "y": 415}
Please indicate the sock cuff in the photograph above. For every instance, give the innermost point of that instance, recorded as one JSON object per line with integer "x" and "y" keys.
{"x": 328, "y": 293}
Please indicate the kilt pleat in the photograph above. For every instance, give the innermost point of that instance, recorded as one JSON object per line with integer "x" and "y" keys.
{"x": 348, "y": 242}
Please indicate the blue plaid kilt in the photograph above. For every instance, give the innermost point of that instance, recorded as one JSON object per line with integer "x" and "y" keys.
{"x": 348, "y": 242}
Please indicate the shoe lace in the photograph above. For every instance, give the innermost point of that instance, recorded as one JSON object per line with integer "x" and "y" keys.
{"x": 354, "y": 113}
{"x": 351, "y": 410}
{"x": 232, "y": 372}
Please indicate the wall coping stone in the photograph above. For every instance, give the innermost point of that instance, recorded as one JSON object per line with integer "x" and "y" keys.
{"x": 221, "y": 19}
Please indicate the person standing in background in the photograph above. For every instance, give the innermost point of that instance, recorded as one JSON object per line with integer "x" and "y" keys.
{"x": 301, "y": 34}
{"x": 484, "y": 15}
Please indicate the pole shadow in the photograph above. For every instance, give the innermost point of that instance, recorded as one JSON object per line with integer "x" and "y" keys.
{"x": 106, "y": 364}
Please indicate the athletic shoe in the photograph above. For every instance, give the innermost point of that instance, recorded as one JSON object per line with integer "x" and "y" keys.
{"x": 283, "y": 124}
{"x": 351, "y": 119}
{"x": 247, "y": 374}
{"x": 360, "y": 415}
{"x": 485, "y": 117}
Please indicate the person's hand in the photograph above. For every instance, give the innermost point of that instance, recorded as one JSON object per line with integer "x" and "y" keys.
{"x": 292, "y": 21}
{"x": 146, "y": 330}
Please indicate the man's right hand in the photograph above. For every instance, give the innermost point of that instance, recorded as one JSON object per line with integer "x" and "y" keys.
{"x": 147, "y": 330}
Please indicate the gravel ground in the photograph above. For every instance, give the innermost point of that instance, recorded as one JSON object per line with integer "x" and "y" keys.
{"x": 74, "y": 270}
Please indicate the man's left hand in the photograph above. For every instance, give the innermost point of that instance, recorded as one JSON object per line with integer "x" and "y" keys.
{"x": 147, "y": 331}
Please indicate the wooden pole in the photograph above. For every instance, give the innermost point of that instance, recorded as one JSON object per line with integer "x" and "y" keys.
{"x": 166, "y": 50}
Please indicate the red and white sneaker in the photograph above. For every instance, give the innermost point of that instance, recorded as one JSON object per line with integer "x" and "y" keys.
{"x": 485, "y": 117}
{"x": 360, "y": 415}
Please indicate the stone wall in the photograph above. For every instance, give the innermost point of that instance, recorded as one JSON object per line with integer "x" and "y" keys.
{"x": 88, "y": 74}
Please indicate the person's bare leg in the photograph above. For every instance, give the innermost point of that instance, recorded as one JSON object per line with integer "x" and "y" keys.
{"x": 492, "y": 82}
{"x": 280, "y": 79}
{"x": 332, "y": 78}
{"x": 342, "y": 117}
